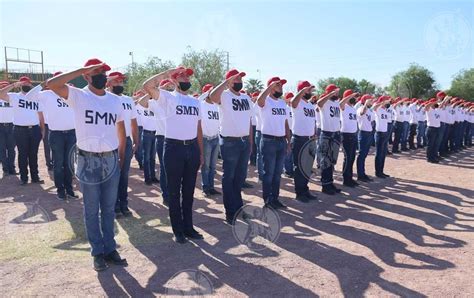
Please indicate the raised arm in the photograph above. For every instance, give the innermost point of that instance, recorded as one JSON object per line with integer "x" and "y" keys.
{"x": 151, "y": 85}
{"x": 296, "y": 100}
{"x": 263, "y": 96}
{"x": 323, "y": 99}
{"x": 346, "y": 99}
{"x": 216, "y": 92}
{"x": 4, "y": 91}
{"x": 58, "y": 84}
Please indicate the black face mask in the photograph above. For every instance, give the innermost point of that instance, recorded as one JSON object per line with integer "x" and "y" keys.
{"x": 237, "y": 87}
{"x": 25, "y": 88}
{"x": 387, "y": 106}
{"x": 307, "y": 96}
{"x": 352, "y": 101}
{"x": 277, "y": 94}
{"x": 99, "y": 81}
{"x": 184, "y": 86}
{"x": 117, "y": 90}
{"x": 333, "y": 98}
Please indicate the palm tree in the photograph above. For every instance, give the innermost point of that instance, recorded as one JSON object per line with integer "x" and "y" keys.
{"x": 253, "y": 85}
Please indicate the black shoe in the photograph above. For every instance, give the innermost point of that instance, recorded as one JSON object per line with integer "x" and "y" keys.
{"x": 13, "y": 172}
{"x": 155, "y": 180}
{"x": 37, "y": 180}
{"x": 349, "y": 183}
{"x": 433, "y": 161}
{"x": 125, "y": 211}
{"x": 148, "y": 182}
{"x": 336, "y": 190}
{"x": 61, "y": 195}
{"x": 179, "y": 238}
{"x": 302, "y": 198}
{"x": 289, "y": 175}
{"x": 207, "y": 193}
{"x": 71, "y": 194}
{"x": 166, "y": 202}
{"x": 278, "y": 204}
{"x": 395, "y": 151}
{"x": 380, "y": 175}
{"x": 23, "y": 182}
{"x": 140, "y": 167}
{"x": 328, "y": 190}
{"x": 247, "y": 185}
{"x": 386, "y": 176}
{"x": 389, "y": 153}
{"x": 364, "y": 179}
{"x": 310, "y": 196}
{"x": 214, "y": 192}
{"x": 99, "y": 263}
{"x": 50, "y": 169}
{"x": 405, "y": 149}
{"x": 230, "y": 221}
{"x": 246, "y": 216}
{"x": 114, "y": 258}
{"x": 194, "y": 235}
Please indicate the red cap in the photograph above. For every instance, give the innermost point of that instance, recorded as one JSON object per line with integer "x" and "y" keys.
{"x": 364, "y": 98}
{"x": 276, "y": 79}
{"x": 25, "y": 79}
{"x": 256, "y": 93}
{"x": 289, "y": 95}
{"x": 195, "y": 95}
{"x": 302, "y": 85}
{"x": 440, "y": 94}
{"x": 120, "y": 76}
{"x": 182, "y": 70}
{"x": 243, "y": 92}
{"x": 330, "y": 88}
{"x": 233, "y": 72}
{"x": 347, "y": 93}
{"x": 206, "y": 88}
{"x": 95, "y": 61}
{"x": 164, "y": 82}
{"x": 57, "y": 73}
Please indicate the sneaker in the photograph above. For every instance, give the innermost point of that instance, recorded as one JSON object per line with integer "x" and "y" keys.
{"x": 278, "y": 204}
{"x": 71, "y": 194}
{"x": 337, "y": 190}
{"x": 114, "y": 258}
{"x": 23, "y": 182}
{"x": 37, "y": 180}
{"x": 302, "y": 198}
{"x": 348, "y": 183}
{"x": 380, "y": 175}
{"x": 214, "y": 192}
{"x": 247, "y": 185}
{"x": 364, "y": 179}
{"x": 328, "y": 191}
{"x": 386, "y": 176}
{"x": 193, "y": 234}
{"x": 179, "y": 238}
{"x": 310, "y": 196}
{"x": 61, "y": 195}
{"x": 99, "y": 263}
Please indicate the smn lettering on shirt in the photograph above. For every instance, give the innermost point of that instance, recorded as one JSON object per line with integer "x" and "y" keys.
{"x": 94, "y": 117}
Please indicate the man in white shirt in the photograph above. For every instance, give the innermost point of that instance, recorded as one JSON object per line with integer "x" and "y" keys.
{"x": 7, "y": 139}
{"x": 421, "y": 128}
{"x": 413, "y": 121}
{"x": 442, "y": 128}
{"x": 406, "y": 123}
{"x": 275, "y": 143}
{"x": 26, "y": 128}
{"x": 288, "y": 167}
{"x": 139, "y": 108}
{"x": 235, "y": 111}
{"x": 183, "y": 147}
{"x": 365, "y": 136}
{"x": 100, "y": 133}
{"x": 115, "y": 86}
{"x": 381, "y": 142}
{"x": 433, "y": 122}
{"x": 349, "y": 135}
{"x": 303, "y": 136}
{"x": 210, "y": 139}
{"x": 258, "y": 134}
{"x": 62, "y": 136}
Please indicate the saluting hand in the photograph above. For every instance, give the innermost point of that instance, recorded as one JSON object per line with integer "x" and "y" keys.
{"x": 91, "y": 68}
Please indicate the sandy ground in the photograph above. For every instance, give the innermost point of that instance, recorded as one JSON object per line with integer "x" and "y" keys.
{"x": 408, "y": 235}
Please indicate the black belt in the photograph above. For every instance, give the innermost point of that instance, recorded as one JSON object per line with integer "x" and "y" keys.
{"x": 26, "y": 126}
{"x": 97, "y": 154}
{"x": 244, "y": 138}
{"x": 6, "y": 124}
{"x": 180, "y": 142}
{"x": 149, "y": 131}
{"x": 63, "y": 131}
{"x": 273, "y": 137}
{"x": 302, "y": 137}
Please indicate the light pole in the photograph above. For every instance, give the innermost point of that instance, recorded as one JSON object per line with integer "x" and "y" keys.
{"x": 131, "y": 54}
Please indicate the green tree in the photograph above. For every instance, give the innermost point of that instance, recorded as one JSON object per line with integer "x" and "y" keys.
{"x": 417, "y": 81}
{"x": 364, "y": 86}
{"x": 138, "y": 73}
{"x": 343, "y": 83}
{"x": 253, "y": 85}
{"x": 209, "y": 67}
{"x": 463, "y": 84}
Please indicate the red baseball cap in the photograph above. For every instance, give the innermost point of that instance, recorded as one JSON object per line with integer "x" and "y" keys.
{"x": 440, "y": 94}
{"x": 206, "y": 88}
{"x": 95, "y": 61}
{"x": 234, "y": 72}
{"x": 364, "y": 98}
{"x": 276, "y": 79}
{"x": 347, "y": 93}
{"x": 24, "y": 79}
{"x": 289, "y": 95}
{"x": 256, "y": 93}
{"x": 182, "y": 70}
{"x": 164, "y": 82}
{"x": 57, "y": 73}
{"x": 120, "y": 76}
{"x": 302, "y": 85}
{"x": 330, "y": 88}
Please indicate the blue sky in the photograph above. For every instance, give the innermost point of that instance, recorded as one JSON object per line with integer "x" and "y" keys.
{"x": 296, "y": 40}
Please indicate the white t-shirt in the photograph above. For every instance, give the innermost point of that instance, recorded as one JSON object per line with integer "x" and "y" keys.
{"x": 181, "y": 115}
{"x": 365, "y": 121}
{"x": 381, "y": 118}
{"x": 406, "y": 113}
{"x": 318, "y": 117}
{"x": 413, "y": 115}
{"x": 290, "y": 116}
{"x": 25, "y": 110}
{"x": 349, "y": 119}
{"x": 6, "y": 112}
{"x": 56, "y": 109}
{"x": 253, "y": 117}
{"x": 160, "y": 116}
{"x": 129, "y": 112}
{"x": 274, "y": 115}
{"x": 209, "y": 119}
{"x": 258, "y": 120}
{"x": 433, "y": 117}
{"x": 148, "y": 120}
{"x": 235, "y": 112}
{"x": 96, "y": 119}
{"x": 330, "y": 116}
{"x": 304, "y": 119}
{"x": 398, "y": 115}
{"x": 389, "y": 115}
{"x": 139, "y": 108}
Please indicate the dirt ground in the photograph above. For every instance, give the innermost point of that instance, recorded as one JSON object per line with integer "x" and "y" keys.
{"x": 408, "y": 235}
